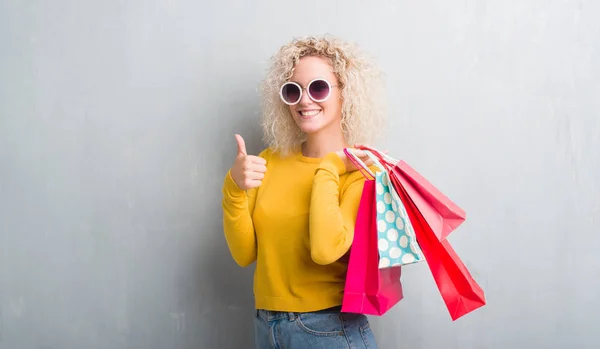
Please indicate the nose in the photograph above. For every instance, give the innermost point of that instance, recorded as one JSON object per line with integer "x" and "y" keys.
{"x": 305, "y": 99}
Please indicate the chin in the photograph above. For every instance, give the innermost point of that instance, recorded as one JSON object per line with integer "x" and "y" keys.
{"x": 310, "y": 130}
{"x": 309, "y": 126}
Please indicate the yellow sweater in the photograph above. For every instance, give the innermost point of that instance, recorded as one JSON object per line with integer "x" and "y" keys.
{"x": 298, "y": 226}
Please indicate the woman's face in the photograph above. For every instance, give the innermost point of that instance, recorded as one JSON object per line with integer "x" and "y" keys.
{"x": 316, "y": 117}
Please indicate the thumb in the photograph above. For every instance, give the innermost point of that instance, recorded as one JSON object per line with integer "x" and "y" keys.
{"x": 241, "y": 145}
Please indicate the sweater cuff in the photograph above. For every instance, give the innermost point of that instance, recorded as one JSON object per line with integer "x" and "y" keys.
{"x": 230, "y": 189}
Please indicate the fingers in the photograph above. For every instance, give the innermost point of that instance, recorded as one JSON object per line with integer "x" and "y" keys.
{"x": 255, "y": 176}
{"x": 254, "y": 168}
{"x": 364, "y": 146}
{"x": 259, "y": 168}
{"x": 251, "y": 176}
{"x": 253, "y": 183}
{"x": 255, "y": 163}
{"x": 360, "y": 153}
{"x": 361, "y": 146}
{"x": 241, "y": 145}
{"x": 256, "y": 160}
{"x": 367, "y": 161}
{"x": 250, "y": 183}
{"x": 353, "y": 151}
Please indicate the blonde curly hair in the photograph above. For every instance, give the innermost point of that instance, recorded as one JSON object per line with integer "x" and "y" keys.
{"x": 361, "y": 92}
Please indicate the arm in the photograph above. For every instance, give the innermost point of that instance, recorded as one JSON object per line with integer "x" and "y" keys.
{"x": 238, "y": 206}
{"x": 332, "y": 218}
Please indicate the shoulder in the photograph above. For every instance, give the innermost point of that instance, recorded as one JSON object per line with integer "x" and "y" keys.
{"x": 274, "y": 158}
{"x": 269, "y": 155}
{"x": 266, "y": 153}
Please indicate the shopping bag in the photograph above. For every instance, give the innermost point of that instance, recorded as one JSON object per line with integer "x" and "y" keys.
{"x": 460, "y": 292}
{"x": 396, "y": 238}
{"x": 441, "y": 214}
{"x": 369, "y": 290}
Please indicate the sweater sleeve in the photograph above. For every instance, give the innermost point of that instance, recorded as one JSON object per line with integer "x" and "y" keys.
{"x": 333, "y": 211}
{"x": 238, "y": 207}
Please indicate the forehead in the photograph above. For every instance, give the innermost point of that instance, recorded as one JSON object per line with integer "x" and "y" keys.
{"x": 311, "y": 67}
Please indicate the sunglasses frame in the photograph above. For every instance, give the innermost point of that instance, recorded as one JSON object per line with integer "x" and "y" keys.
{"x": 307, "y": 88}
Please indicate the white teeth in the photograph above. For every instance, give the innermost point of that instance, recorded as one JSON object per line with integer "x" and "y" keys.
{"x": 309, "y": 113}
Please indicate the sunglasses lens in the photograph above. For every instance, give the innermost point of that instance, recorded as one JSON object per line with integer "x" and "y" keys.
{"x": 319, "y": 90}
{"x": 290, "y": 93}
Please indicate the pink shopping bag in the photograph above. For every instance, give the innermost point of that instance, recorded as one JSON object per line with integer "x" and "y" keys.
{"x": 369, "y": 290}
{"x": 441, "y": 214}
{"x": 459, "y": 290}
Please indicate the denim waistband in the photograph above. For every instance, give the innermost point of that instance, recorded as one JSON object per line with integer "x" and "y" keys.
{"x": 272, "y": 315}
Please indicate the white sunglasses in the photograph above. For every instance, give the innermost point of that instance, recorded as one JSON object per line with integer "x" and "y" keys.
{"x": 318, "y": 90}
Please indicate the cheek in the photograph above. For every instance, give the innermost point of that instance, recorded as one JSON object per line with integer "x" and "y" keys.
{"x": 333, "y": 105}
{"x": 292, "y": 109}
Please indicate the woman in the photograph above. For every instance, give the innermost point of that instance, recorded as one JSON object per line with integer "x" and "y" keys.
{"x": 292, "y": 208}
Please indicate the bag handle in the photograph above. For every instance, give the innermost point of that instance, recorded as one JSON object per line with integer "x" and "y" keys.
{"x": 384, "y": 159}
{"x": 375, "y": 160}
{"x": 358, "y": 163}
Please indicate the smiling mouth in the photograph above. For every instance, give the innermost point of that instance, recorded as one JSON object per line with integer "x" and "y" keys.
{"x": 307, "y": 114}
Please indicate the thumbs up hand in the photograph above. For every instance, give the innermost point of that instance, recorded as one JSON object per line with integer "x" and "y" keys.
{"x": 247, "y": 171}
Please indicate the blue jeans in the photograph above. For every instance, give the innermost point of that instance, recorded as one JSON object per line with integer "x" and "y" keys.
{"x": 330, "y": 329}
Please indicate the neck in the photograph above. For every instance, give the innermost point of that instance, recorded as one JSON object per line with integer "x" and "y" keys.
{"x": 320, "y": 144}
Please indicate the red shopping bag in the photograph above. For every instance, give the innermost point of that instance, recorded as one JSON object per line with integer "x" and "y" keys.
{"x": 459, "y": 290}
{"x": 369, "y": 290}
{"x": 441, "y": 214}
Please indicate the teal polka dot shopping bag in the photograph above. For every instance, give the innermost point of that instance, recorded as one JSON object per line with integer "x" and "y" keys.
{"x": 396, "y": 237}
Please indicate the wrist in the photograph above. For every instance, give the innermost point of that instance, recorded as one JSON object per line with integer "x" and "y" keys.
{"x": 232, "y": 187}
